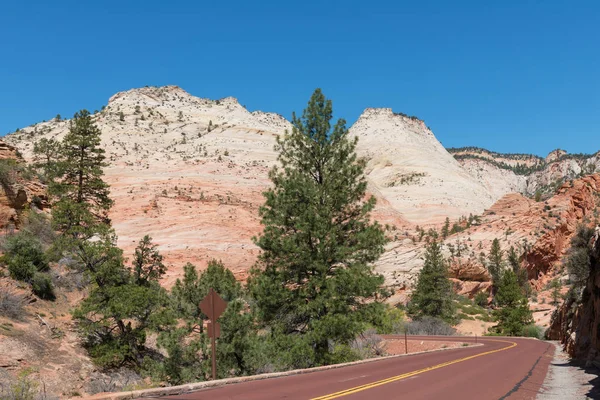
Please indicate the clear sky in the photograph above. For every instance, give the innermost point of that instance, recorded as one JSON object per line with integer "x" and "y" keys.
{"x": 511, "y": 76}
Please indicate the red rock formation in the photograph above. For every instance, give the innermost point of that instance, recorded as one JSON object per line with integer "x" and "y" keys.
{"x": 577, "y": 326}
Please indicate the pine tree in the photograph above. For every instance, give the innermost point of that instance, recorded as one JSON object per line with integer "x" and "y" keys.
{"x": 120, "y": 309}
{"x": 315, "y": 275}
{"x": 521, "y": 273}
{"x": 513, "y": 312}
{"x": 446, "y": 228}
{"x": 187, "y": 346}
{"x": 433, "y": 295}
{"x": 46, "y": 156}
{"x": 495, "y": 264}
{"x": 83, "y": 200}
{"x": 147, "y": 262}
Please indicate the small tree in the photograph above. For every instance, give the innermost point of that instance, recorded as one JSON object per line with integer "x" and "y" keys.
{"x": 555, "y": 286}
{"x": 578, "y": 260}
{"x": 433, "y": 295}
{"x": 495, "y": 264}
{"x": 121, "y": 116}
{"x": 521, "y": 273}
{"x": 47, "y": 153}
{"x": 147, "y": 262}
{"x": 513, "y": 312}
{"x": 58, "y": 118}
{"x": 187, "y": 346}
{"x": 446, "y": 228}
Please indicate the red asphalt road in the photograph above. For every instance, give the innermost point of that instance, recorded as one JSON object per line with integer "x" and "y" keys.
{"x": 516, "y": 371}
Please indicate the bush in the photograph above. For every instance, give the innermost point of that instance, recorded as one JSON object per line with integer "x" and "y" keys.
{"x": 429, "y": 326}
{"x": 20, "y": 268}
{"x": 533, "y": 331}
{"x": 367, "y": 345}
{"x": 23, "y": 249}
{"x": 42, "y": 287}
{"x": 481, "y": 299}
{"x": 11, "y": 305}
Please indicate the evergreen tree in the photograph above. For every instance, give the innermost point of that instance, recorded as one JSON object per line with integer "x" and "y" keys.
{"x": 513, "y": 312}
{"x": 315, "y": 275}
{"x": 521, "y": 273}
{"x": 433, "y": 295}
{"x": 578, "y": 259}
{"x": 495, "y": 264}
{"x": 83, "y": 200}
{"x": 46, "y": 156}
{"x": 120, "y": 309}
{"x": 147, "y": 262}
{"x": 446, "y": 228}
{"x": 188, "y": 345}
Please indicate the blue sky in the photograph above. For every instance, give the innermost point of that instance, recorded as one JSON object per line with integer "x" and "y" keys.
{"x": 511, "y": 76}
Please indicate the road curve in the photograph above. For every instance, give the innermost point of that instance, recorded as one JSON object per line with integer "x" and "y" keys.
{"x": 503, "y": 368}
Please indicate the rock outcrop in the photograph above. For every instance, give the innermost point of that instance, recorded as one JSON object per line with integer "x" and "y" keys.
{"x": 577, "y": 325}
{"x": 18, "y": 187}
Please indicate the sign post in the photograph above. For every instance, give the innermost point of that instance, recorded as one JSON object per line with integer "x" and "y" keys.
{"x": 213, "y": 306}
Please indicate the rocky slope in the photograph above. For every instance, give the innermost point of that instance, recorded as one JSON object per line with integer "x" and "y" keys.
{"x": 18, "y": 188}
{"x": 577, "y": 326}
{"x": 190, "y": 172}
{"x": 525, "y": 173}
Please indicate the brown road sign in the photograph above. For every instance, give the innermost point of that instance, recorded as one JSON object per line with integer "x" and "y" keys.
{"x": 217, "y": 329}
{"x": 213, "y": 305}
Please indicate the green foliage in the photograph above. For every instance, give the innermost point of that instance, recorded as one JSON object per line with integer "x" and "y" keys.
{"x": 513, "y": 312}
{"x": 83, "y": 200}
{"x": 433, "y": 295}
{"x": 481, "y": 299}
{"x": 147, "y": 262}
{"x": 25, "y": 388}
{"x": 521, "y": 273}
{"x": 314, "y": 278}
{"x": 42, "y": 287}
{"x": 24, "y": 255}
{"x": 578, "y": 260}
{"x": 46, "y": 155}
{"x": 188, "y": 346}
{"x": 446, "y": 228}
{"x": 538, "y": 195}
{"x": 533, "y": 331}
{"x": 495, "y": 264}
{"x": 390, "y": 321}
{"x": 555, "y": 286}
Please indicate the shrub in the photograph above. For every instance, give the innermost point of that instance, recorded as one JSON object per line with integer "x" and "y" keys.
{"x": 20, "y": 268}
{"x": 367, "y": 345}
{"x": 429, "y": 326}
{"x": 481, "y": 299}
{"x": 533, "y": 331}
{"x": 11, "y": 305}
{"x": 41, "y": 284}
{"x": 24, "y": 255}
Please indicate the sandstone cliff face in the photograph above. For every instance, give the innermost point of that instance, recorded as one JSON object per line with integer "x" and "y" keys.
{"x": 577, "y": 326}
{"x": 545, "y": 175}
{"x": 190, "y": 172}
{"x": 16, "y": 192}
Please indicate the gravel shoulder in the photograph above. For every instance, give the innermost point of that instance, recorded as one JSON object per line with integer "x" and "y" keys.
{"x": 569, "y": 380}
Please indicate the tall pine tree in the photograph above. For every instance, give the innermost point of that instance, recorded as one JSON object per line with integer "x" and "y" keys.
{"x": 83, "y": 200}
{"x": 513, "y": 312}
{"x": 433, "y": 295}
{"x": 315, "y": 277}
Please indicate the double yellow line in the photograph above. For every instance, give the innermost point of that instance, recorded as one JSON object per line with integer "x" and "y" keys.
{"x": 413, "y": 373}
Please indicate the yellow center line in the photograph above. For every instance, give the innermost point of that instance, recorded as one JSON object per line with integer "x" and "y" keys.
{"x": 413, "y": 373}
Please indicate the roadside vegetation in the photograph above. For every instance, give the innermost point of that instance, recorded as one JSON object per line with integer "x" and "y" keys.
{"x": 313, "y": 297}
